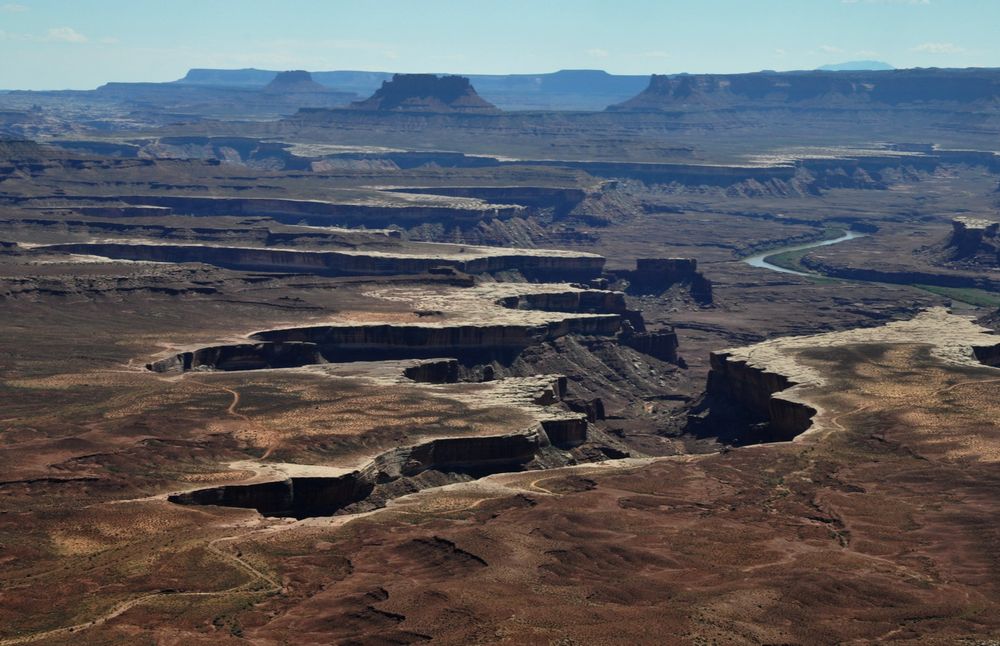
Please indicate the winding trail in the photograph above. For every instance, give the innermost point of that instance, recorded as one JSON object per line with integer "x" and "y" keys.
{"x": 236, "y": 402}
{"x": 232, "y": 412}
{"x": 246, "y": 588}
{"x": 124, "y": 606}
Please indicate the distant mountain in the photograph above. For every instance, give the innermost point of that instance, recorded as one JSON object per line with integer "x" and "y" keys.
{"x": 425, "y": 93}
{"x": 854, "y": 66}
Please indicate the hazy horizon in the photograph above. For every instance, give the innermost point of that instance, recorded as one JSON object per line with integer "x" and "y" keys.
{"x": 71, "y": 45}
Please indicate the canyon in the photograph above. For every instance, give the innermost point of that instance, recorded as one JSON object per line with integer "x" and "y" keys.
{"x": 353, "y": 357}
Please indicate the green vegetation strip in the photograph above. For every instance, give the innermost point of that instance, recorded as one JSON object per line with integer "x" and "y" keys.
{"x": 977, "y": 297}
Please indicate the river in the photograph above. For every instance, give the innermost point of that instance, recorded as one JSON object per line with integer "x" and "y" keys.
{"x": 760, "y": 259}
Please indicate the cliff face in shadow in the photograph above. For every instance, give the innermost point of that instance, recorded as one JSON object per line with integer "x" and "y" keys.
{"x": 449, "y": 459}
{"x": 752, "y": 391}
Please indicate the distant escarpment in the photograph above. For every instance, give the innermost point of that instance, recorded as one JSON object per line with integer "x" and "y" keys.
{"x": 895, "y": 88}
{"x": 426, "y": 93}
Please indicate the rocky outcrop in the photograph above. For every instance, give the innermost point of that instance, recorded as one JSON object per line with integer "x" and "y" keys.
{"x": 653, "y": 275}
{"x": 468, "y": 344}
{"x": 592, "y": 408}
{"x": 295, "y": 82}
{"x": 243, "y": 356}
{"x": 663, "y": 271}
{"x": 591, "y": 300}
{"x": 669, "y": 173}
{"x": 563, "y": 90}
{"x": 566, "y": 432}
{"x": 988, "y": 355}
{"x": 661, "y": 344}
{"x": 25, "y": 150}
{"x": 250, "y": 234}
{"x": 976, "y": 240}
{"x": 426, "y": 93}
{"x": 701, "y": 289}
{"x": 437, "y": 371}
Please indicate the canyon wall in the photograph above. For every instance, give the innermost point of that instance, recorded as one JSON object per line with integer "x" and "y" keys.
{"x": 329, "y": 213}
{"x": 307, "y": 496}
{"x": 469, "y": 344}
{"x": 531, "y": 264}
{"x": 754, "y": 390}
{"x": 902, "y": 277}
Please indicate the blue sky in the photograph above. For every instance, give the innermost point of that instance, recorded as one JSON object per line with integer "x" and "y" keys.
{"x": 48, "y": 44}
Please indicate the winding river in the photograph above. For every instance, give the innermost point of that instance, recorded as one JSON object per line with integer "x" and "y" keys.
{"x": 760, "y": 259}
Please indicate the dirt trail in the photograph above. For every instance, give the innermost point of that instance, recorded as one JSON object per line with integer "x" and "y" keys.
{"x": 124, "y": 606}
{"x": 232, "y": 412}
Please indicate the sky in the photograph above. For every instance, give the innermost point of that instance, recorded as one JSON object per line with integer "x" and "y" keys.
{"x": 80, "y": 44}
